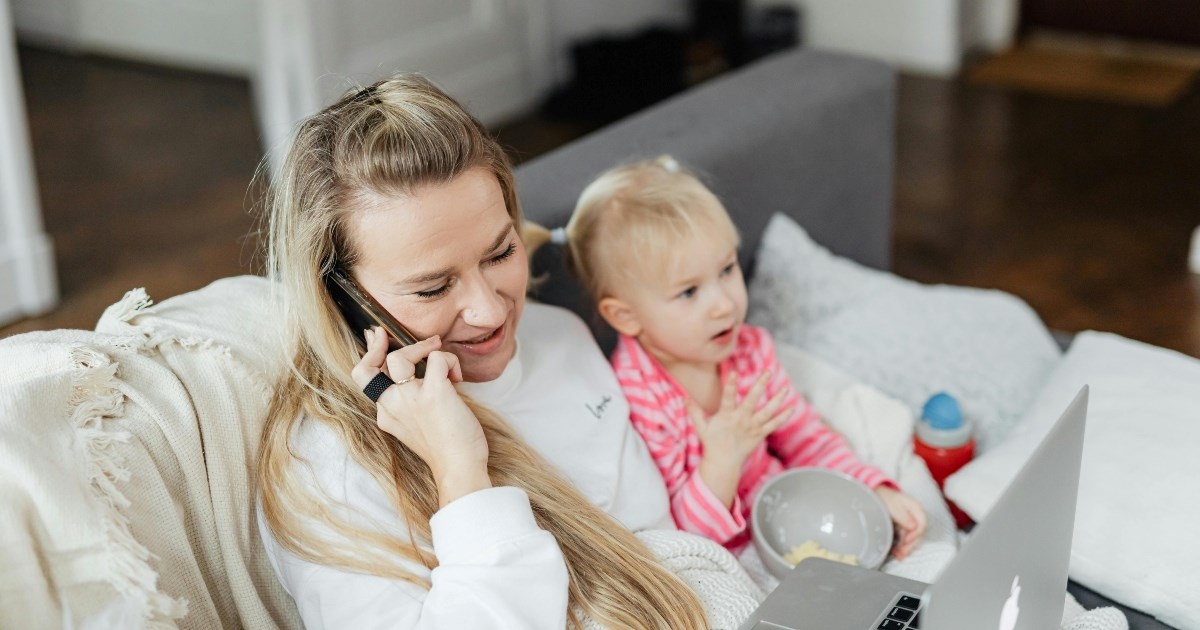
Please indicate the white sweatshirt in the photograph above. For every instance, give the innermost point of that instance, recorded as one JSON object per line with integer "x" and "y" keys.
{"x": 497, "y": 569}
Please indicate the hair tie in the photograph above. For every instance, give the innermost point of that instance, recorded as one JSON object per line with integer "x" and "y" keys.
{"x": 558, "y": 236}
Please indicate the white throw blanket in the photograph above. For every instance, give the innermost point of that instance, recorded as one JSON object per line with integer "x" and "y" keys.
{"x": 126, "y": 469}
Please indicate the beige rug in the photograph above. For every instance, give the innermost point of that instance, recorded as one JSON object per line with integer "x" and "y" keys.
{"x": 1090, "y": 74}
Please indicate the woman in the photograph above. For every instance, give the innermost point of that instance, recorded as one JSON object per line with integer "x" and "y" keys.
{"x": 428, "y": 509}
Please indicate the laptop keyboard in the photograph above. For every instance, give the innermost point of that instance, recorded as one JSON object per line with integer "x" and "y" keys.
{"x": 902, "y": 614}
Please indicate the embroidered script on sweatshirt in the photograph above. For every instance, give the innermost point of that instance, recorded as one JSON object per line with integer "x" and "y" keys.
{"x": 597, "y": 411}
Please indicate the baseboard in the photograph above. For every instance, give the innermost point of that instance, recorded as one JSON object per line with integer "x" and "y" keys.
{"x": 1194, "y": 255}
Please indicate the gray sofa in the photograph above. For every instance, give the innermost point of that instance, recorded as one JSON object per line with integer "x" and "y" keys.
{"x": 804, "y": 133}
{"x": 160, "y": 475}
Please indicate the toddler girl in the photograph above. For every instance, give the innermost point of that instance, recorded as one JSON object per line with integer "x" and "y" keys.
{"x": 658, "y": 253}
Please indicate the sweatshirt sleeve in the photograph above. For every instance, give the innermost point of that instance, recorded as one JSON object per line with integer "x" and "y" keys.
{"x": 496, "y": 567}
{"x": 804, "y": 439}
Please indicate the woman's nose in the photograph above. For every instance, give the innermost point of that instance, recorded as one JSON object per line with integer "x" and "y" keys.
{"x": 483, "y": 306}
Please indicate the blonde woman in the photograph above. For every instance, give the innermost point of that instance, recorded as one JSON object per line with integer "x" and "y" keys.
{"x": 499, "y": 488}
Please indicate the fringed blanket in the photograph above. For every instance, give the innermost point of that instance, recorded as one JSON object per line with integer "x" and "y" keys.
{"x": 126, "y": 468}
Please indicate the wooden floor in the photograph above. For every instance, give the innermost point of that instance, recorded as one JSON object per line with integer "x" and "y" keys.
{"x": 1083, "y": 209}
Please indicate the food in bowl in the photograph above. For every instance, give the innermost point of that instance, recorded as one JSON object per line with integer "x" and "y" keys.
{"x": 812, "y": 549}
{"x": 838, "y": 513}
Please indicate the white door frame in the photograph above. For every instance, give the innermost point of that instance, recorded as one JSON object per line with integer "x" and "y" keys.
{"x": 28, "y": 285}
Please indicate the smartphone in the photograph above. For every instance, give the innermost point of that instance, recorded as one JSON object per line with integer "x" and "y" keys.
{"x": 362, "y": 311}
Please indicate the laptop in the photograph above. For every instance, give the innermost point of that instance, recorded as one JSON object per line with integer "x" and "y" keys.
{"x": 1010, "y": 574}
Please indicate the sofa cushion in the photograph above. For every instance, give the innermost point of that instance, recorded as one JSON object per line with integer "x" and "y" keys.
{"x": 1139, "y": 500}
{"x": 986, "y": 348}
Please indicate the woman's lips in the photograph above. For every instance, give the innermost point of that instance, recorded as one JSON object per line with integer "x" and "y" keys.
{"x": 484, "y": 343}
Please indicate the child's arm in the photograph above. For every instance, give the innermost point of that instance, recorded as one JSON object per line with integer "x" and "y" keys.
{"x": 695, "y": 505}
{"x": 804, "y": 440}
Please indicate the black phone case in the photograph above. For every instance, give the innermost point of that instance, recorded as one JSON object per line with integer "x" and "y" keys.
{"x": 362, "y": 312}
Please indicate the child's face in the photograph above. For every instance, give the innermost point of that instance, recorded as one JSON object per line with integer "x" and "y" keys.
{"x": 690, "y": 310}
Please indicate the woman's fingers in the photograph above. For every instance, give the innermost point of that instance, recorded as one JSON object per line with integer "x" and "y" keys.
{"x": 373, "y": 361}
{"x": 401, "y": 364}
{"x": 442, "y": 366}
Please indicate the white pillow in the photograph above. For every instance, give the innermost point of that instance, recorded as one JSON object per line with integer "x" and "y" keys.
{"x": 1139, "y": 490}
{"x": 986, "y": 348}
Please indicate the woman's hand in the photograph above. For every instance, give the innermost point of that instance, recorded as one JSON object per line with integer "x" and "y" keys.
{"x": 909, "y": 517}
{"x": 427, "y": 414}
{"x": 733, "y": 432}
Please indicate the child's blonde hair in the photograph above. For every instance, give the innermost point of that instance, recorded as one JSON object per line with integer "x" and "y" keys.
{"x": 628, "y": 219}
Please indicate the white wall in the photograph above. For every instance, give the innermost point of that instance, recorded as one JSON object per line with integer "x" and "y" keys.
{"x": 213, "y": 35}
{"x": 222, "y": 35}
{"x": 923, "y": 36}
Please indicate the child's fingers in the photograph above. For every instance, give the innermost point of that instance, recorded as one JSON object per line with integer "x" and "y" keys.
{"x": 911, "y": 522}
{"x": 755, "y": 394}
{"x": 775, "y": 412}
{"x": 696, "y": 414}
{"x": 729, "y": 393}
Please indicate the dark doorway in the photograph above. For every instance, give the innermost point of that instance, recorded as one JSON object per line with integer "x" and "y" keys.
{"x": 1167, "y": 21}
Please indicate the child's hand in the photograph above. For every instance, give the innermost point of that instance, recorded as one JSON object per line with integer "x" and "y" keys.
{"x": 733, "y": 432}
{"x": 909, "y": 517}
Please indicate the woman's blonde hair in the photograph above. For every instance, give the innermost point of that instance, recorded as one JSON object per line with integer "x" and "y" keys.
{"x": 389, "y": 139}
{"x": 627, "y": 220}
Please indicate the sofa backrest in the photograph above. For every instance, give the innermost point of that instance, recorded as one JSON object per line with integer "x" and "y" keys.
{"x": 805, "y": 133}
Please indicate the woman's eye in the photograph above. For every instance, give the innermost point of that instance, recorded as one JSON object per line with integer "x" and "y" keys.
{"x": 438, "y": 292}
{"x": 502, "y": 256}
{"x": 433, "y": 293}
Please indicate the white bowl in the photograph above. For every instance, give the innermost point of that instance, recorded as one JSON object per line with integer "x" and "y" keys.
{"x": 834, "y": 510}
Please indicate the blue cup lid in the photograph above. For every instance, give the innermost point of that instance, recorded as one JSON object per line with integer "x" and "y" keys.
{"x": 942, "y": 412}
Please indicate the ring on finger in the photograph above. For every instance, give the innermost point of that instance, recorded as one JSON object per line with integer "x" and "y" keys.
{"x": 406, "y": 380}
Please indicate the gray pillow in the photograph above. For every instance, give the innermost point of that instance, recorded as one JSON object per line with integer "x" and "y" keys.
{"x": 986, "y": 348}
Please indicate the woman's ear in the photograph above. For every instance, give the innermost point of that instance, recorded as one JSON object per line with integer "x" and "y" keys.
{"x": 620, "y": 315}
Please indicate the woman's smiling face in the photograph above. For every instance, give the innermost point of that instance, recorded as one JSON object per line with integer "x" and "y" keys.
{"x": 448, "y": 260}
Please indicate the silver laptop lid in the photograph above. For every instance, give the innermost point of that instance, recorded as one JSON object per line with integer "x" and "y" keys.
{"x": 1011, "y": 574}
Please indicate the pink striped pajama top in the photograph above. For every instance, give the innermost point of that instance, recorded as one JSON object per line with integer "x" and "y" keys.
{"x": 659, "y": 413}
